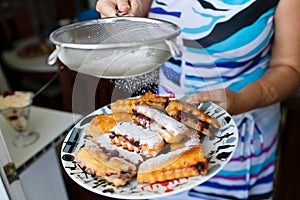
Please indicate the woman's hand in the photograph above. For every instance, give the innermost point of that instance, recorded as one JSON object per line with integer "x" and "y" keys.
{"x": 225, "y": 98}
{"x": 113, "y": 8}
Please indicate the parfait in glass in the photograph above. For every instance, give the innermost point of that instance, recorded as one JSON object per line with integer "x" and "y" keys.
{"x": 15, "y": 107}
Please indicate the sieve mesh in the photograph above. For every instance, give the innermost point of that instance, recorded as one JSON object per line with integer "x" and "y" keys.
{"x": 129, "y": 31}
{"x": 115, "y": 48}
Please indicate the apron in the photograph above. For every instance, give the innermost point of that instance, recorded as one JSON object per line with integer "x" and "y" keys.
{"x": 226, "y": 44}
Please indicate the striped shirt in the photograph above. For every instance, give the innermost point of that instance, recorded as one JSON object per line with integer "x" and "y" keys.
{"x": 226, "y": 44}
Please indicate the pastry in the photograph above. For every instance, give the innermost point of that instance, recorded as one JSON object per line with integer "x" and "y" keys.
{"x": 103, "y": 142}
{"x": 184, "y": 162}
{"x": 104, "y": 122}
{"x": 114, "y": 170}
{"x": 191, "y": 139}
{"x": 123, "y": 105}
{"x": 150, "y": 99}
{"x": 171, "y": 130}
{"x": 136, "y": 138}
{"x": 150, "y": 140}
{"x": 153, "y": 100}
{"x": 191, "y": 116}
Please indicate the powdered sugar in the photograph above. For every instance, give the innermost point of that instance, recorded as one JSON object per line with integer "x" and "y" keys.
{"x": 162, "y": 119}
{"x": 143, "y": 135}
{"x": 154, "y": 163}
{"x": 104, "y": 141}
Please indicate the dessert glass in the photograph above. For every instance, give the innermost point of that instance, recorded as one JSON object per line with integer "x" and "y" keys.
{"x": 18, "y": 118}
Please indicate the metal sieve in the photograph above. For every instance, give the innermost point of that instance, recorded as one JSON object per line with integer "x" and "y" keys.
{"x": 115, "y": 47}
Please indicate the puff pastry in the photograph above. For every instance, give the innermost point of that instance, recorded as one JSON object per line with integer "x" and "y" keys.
{"x": 104, "y": 122}
{"x": 114, "y": 170}
{"x": 137, "y": 139}
{"x": 191, "y": 139}
{"x": 191, "y": 116}
{"x": 151, "y": 138}
{"x": 170, "y": 129}
{"x": 111, "y": 150}
{"x": 184, "y": 162}
{"x": 126, "y": 105}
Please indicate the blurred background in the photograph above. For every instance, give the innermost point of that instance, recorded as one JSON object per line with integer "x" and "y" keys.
{"x": 36, "y": 17}
{"x": 25, "y": 27}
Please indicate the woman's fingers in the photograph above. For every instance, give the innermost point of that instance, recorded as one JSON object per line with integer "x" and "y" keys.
{"x": 111, "y": 8}
{"x": 222, "y": 97}
{"x": 135, "y": 8}
{"x": 106, "y": 8}
{"x": 199, "y": 97}
{"x": 216, "y": 96}
{"x": 123, "y": 6}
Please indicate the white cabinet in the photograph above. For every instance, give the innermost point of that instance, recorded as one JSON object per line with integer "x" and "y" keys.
{"x": 43, "y": 179}
{"x": 40, "y": 176}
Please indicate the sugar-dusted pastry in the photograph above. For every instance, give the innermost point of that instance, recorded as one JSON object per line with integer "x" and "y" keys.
{"x": 150, "y": 99}
{"x": 171, "y": 130}
{"x": 115, "y": 170}
{"x": 137, "y": 139}
{"x": 191, "y": 116}
{"x": 191, "y": 139}
{"x": 184, "y": 162}
{"x": 123, "y": 105}
{"x": 156, "y": 101}
{"x": 103, "y": 142}
{"x": 104, "y": 122}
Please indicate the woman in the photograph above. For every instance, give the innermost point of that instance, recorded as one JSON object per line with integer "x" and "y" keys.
{"x": 242, "y": 55}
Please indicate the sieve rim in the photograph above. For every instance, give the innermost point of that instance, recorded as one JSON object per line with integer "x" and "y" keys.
{"x": 54, "y": 35}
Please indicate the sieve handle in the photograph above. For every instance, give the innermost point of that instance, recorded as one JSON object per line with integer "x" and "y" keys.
{"x": 53, "y": 57}
{"x": 173, "y": 48}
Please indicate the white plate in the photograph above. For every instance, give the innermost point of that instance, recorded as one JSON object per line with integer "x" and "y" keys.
{"x": 219, "y": 151}
{"x": 34, "y": 64}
